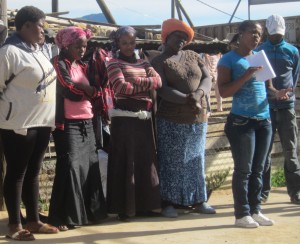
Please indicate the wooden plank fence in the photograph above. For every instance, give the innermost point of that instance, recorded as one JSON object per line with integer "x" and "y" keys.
{"x": 218, "y": 154}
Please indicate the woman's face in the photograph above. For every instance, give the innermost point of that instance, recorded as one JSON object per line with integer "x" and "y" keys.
{"x": 76, "y": 50}
{"x": 35, "y": 31}
{"x": 177, "y": 40}
{"x": 127, "y": 44}
{"x": 250, "y": 38}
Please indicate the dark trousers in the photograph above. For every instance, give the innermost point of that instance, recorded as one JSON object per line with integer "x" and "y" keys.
{"x": 24, "y": 156}
{"x": 285, "y": 123}
{"x": 249, "y": 140}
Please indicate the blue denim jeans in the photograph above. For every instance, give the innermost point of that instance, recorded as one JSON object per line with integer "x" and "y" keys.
{"x": 285, "y": 123}
{"x": 249, "y": 140}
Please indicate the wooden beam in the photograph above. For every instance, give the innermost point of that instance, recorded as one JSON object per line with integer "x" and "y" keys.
{"x": 57, "y": 13}
{"x": 150, "y": 27}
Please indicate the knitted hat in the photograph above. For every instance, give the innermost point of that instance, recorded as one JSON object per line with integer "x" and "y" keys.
{"x": 171, "y": 25}
{"x": 275, "y": 25}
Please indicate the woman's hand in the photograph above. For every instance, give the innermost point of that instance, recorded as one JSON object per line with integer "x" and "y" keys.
{"x": 88, "y": 90}
{"x": 250, "y": 72}
{"x": 150, "y": 73}
{"x": 194, "y": 99}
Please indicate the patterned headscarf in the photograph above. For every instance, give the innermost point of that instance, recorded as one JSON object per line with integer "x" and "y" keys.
{"x": 69, "y": 35}
{"x": 171, "y": 25}
{"x": 115, "y": 37}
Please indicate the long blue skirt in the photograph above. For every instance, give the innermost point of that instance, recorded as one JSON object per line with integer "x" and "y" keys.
{"x": 181, "y": 160}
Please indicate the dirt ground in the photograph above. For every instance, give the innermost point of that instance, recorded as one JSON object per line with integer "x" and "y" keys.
{"x": 188, "y": 227}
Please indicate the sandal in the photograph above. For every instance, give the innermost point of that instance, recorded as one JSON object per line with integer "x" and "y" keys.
{"x": 45, "y": 229}
{"x": 21, "y": 235}
{"x": 62, "y": 228}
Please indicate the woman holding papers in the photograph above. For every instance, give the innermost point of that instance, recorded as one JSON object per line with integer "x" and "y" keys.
{"x": 248, "y": 126}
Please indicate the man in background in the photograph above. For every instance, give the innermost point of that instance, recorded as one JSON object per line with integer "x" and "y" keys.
{"x": 284, "y": 59}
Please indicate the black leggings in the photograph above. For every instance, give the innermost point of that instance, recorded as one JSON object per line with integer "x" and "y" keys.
{"x": 24, "y": 156}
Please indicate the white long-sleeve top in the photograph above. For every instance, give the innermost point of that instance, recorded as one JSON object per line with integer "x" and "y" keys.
{"x": 28, "y": 99}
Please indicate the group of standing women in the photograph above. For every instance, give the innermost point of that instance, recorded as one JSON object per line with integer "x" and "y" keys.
{"x": 137, "y": 182}
{"x": 144, "y": 174}
{"x": 36, "y": 99}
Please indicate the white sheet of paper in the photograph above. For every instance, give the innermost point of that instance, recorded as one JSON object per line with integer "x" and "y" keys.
{"x": 260, "y": 59}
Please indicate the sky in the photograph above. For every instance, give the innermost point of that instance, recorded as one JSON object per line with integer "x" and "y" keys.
{"x": 154, "y": 12}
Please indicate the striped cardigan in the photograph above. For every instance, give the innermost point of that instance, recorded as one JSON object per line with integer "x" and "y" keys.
{"x": 130, "y": 80}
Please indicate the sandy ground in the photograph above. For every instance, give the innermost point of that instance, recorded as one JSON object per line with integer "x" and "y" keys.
{"x": 188, "y": 227}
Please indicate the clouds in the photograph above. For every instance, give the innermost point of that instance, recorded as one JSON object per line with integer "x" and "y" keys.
{"x": 135, "y": 12}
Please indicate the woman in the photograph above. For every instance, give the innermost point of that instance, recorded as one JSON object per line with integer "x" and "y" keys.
{"x": 211, "y": 61}
{"x": 132, "y": 180}
{"x": 181, "y": 121}
{"x": 27, "y": 112}
{"x": 248, "y": 126}
{"x": 77, "y": 195}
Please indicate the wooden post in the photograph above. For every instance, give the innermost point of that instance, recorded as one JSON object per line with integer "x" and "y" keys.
{"x": 3, "y": 17}
{"x": 2, "y": 175}
{"x": 3, "y": 11}
{"x": 106, "y": 12}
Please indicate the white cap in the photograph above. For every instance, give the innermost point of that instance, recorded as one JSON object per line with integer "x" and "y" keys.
{"x": 275, "y": 25}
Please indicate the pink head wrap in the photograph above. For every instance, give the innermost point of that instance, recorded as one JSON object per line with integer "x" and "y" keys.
{"x": 69, "y": 35}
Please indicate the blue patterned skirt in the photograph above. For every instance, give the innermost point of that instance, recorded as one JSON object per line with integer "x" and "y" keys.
{"x": 181, "y": 160}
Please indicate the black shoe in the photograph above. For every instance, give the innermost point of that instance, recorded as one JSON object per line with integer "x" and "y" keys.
{"x": 147, "y": 214}
{"x": 205, "y": 208}
{"x": 123, "y": 217}
{"x": 296, "y": 198}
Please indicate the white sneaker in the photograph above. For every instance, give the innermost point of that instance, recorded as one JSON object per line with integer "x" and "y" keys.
{"x": 246, "y": 222}
{"x": 262, "y": 220}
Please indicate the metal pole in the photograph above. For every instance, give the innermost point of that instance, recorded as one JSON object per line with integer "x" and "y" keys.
{"x": 106, "y": 12}
{"x": 172, "y": 8}
{"x": 178, "y": 10}
{"x": 248, "y": 11}
{"x": 185, "y": 14}
{"x": 234, "y": 11}
{"x": 54, "y": 6}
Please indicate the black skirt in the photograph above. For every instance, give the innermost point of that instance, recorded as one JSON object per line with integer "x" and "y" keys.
{"x": 77, "y": 195}
{"x": 132, "y": 179}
